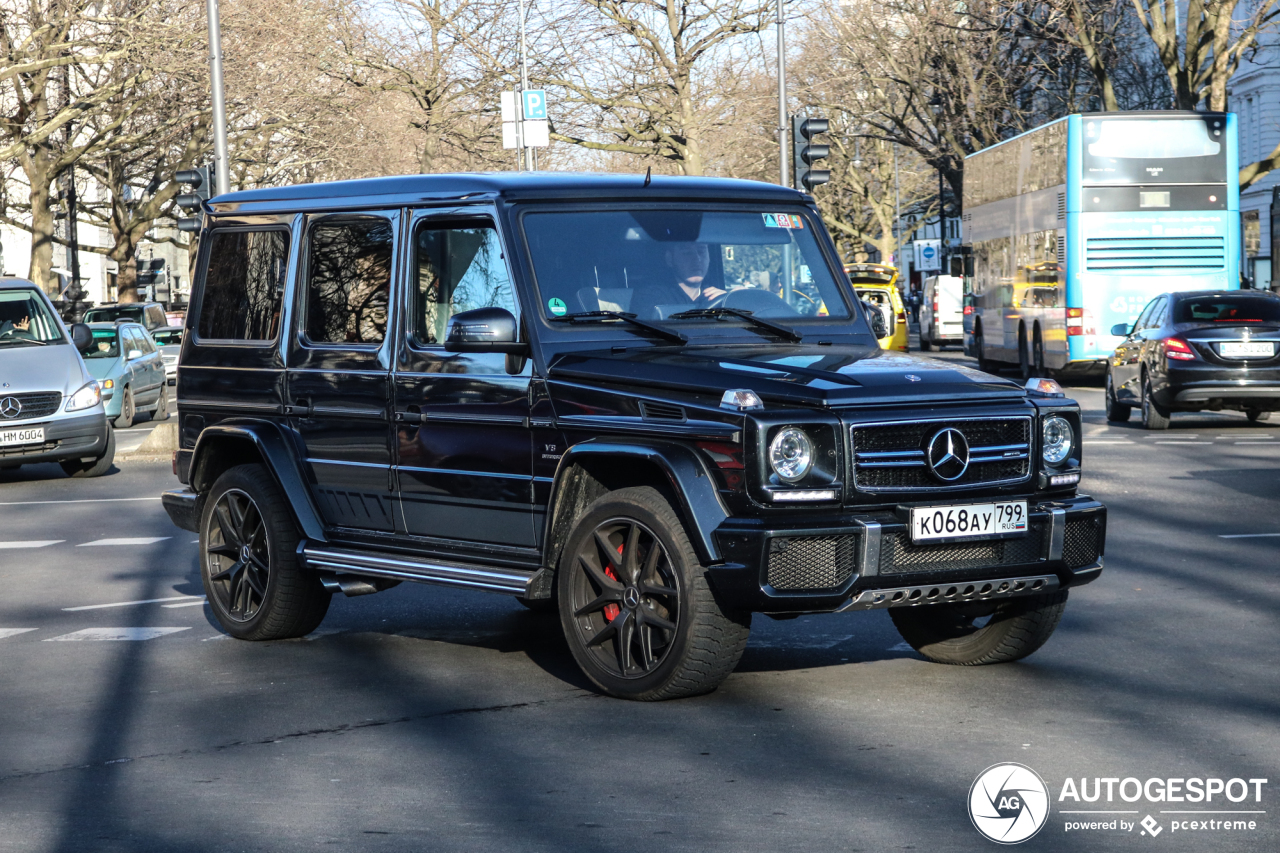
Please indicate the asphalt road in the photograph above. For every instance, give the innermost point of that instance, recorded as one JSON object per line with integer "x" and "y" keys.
{"x": 428, "y": 719}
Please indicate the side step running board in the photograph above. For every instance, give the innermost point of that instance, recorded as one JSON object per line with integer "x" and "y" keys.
{"x": 380, "y": 564}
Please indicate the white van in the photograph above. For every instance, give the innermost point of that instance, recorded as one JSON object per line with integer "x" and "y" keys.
{"x": 942, "y": 312}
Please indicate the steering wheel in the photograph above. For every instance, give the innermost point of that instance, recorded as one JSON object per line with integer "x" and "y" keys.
{"x": 759, "y": 302}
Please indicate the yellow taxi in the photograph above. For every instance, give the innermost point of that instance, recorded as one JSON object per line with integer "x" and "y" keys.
{"x": 878, "y": 284}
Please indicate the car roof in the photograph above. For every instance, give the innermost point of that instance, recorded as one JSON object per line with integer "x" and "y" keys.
{"x": 17, "y": 284}
{"x": 525, "y": 186}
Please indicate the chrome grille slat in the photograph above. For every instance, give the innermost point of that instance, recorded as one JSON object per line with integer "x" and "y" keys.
{"x": 1000, "y": 453}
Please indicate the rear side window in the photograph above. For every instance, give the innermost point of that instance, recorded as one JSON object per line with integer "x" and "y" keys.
{"x": 244, "y": 284}
{"x": 349, "y": 281}
{"x": 1228, "y": 309}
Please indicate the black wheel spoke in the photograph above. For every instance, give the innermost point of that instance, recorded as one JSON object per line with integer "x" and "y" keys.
{"x": 609, "y": 596}
{"x": 610, "y": 553}
{"x": 658, "y": 622}
{"x": 602, "y": 580}
{"x": 251, "y": 577}
{"x": 605, "y": 633}
{"x": 622, "y": 642}
{"x": 237, "y": 517}
{"x": 228, "y": 572}
{"x": 230, "y": 533}
{"x": 630, "y": 555}
{"x": 644, "y": 630}
{"x": 224, "y": 550}
{"x": 657, "y": 589}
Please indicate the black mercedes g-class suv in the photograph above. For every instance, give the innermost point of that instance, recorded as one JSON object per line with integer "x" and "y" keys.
{"x": 655, "y": 405}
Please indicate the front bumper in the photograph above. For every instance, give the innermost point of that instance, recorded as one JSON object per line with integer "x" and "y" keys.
{"x": 75, "y": 437}
{"x": 856, "y": 561}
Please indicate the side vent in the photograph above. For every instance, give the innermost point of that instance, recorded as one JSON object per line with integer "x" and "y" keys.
{"x": 1062, "y": 206}
{"x": 661, "y": 412}
{"x": 1062, "y": 249}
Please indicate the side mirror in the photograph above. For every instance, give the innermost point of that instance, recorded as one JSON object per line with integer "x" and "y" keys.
{"x": 81, "y": 337}
{"x": 879, "y": 327}
{"x": 1121, "y": 330}
{"x": 134, "y": 353}
{"x": 484, "y": 330}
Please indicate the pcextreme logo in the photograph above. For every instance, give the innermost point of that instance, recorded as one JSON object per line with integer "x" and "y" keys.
{"x": 1009, "y": 803}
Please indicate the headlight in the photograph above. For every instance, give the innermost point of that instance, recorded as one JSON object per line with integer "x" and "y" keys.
{"x": 86, "y": 398}
{"x": 1058, "y": 440}
{"x": 791, "y": 454}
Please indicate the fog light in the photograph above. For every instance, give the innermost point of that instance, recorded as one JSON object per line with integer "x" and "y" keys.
{"x": 1064, "y": 479}
{"x": 801, "y": 495}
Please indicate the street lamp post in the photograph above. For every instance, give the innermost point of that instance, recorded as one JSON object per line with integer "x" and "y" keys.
{"x": 935, "y": 105}
{"x": 527, "y": 161}
{"x": 221, "y": 162}
{"x": 782, "y": 98}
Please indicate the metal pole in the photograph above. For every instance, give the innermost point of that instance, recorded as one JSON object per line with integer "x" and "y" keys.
{"x": 524, "y": 84}
{"x": 222, "y": 164}
{"x": 897, "y": 211}
{"x": 782, "y": 99}
{"x": 942, "y": 227}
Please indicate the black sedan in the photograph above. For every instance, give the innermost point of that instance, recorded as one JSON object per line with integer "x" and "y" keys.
{"x": 1198, "y": 350}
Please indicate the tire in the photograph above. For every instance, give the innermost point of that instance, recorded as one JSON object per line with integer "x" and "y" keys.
{"x": 984, "y": 364}
{"x": 1024, "y": 358}
{"x": 249, "y": 563}
{"x": 94, "y": 467}
{"x": 643, "y": 624}
{"x": 162, "y": 405}
{"x": 1037, "y": 356}
{"x": 1152, "y": 417}
{"x": 1117, "y": 412}
{"x": 1255, "y": 415}
{"x": 951, "y": 633}
{"x": 926, "y": 345}
{"x": 128, "y": 411}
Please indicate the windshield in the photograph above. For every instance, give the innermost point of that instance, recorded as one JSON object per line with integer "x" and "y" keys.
{"x": 1155, "y": 151}
{"x": 109, "y": 315}
{"x": 24, "y": 319}
{"x": 656, "y": 264}
{"x": 167, "y": 337}
{"x": 106, "y": 344}
{"x": 1228, "y": 309}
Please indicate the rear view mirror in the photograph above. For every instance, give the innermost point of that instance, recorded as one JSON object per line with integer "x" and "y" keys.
{"x": 1121, "y": 330}
{"x": 81, "y": 337}
{"x": 483, "y": 330}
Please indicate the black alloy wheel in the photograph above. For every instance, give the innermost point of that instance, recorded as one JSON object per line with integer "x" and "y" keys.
{"x": 239, "y": 560}
{"x": 979, "y": 353}
{"x": 1025, "y": 369}
{"x": 1037, "y": 356}
{"x": 1152, "y": 417}
{"x": 1117, "y": 412}
{"x": 626, "y": 598}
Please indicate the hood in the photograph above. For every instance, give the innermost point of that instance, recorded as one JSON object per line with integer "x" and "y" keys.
{"x": 56, "y": 367}
{"x": 807, "y": 375}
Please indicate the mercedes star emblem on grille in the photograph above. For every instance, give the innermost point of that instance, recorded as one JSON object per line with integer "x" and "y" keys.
{"x": 10, "y": 407}
{"x": 947, "y": 454}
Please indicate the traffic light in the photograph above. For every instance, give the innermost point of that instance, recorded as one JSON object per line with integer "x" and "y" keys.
{"x": 805, "y": 153}
{"x": 201, "y": 182}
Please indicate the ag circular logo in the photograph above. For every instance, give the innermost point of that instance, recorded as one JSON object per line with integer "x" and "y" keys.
{"x": 1008, "y": 803}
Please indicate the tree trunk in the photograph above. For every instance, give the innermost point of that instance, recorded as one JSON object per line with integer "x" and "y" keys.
{"x": 41, "y": 236}
{"x": 127, "y": 278}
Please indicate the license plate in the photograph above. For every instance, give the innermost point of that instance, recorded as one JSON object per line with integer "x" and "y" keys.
{"x": 1007, "y": 518}
{"x": 1247, "y": 349}
{"x": 10, "y": 437}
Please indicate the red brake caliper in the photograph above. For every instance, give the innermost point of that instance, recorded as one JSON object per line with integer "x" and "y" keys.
{"x": 611, "y": 611}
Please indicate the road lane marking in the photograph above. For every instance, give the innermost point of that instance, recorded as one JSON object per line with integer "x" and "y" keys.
{"x": 131, "y": 603}
{"x": 1247, "y": 535}
{"x": 80, "y": 501}
{"x": 1184, "y": 443}
{"x": 184, "y": 604}
{"x": 143, "y": 540}
{"x": 111, "y": 634}
{"x": 1258, "y": 443}
{"x": 34, "y": 543}
{"x": 1091, "y": 442}
{"x": 13, "y": 632}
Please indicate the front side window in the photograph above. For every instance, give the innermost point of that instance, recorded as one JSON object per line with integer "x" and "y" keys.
{"x": 458, "y": 267}
{"x": 660, "y": 263}
{"x": 349, "y": 281}
{"x": 244, "y": 284}
{"x": 25, "y": 321}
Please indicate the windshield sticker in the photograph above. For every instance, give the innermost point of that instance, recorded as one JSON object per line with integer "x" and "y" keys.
{"x": 783, "y": 220}
{"x": 557, "y": 307}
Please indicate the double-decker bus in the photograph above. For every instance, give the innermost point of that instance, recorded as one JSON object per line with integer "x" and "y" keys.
{"x": 1074, "y": 226}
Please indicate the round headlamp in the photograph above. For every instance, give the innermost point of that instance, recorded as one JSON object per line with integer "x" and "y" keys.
{"x": 791, "y": 454}
{"x": 1058, "y": 440}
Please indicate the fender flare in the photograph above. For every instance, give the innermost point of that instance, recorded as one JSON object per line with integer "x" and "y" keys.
{"x": 274, "y": 449}
{"x": 699, "y": 504}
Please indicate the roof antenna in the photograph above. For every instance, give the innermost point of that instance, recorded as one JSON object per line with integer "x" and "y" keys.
{"x": 648, "y": 175}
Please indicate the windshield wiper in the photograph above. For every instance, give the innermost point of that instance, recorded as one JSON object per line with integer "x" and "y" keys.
{"x": 627, "y": 317}
{"x": 777, "y": 328}
{"x": 24, "y": 341}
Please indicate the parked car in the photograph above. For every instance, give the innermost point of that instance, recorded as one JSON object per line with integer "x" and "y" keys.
{"x": 878, "y": 284}
{"x": 149, "y": 314}
{"x": 169, "y": 340}
{"x": 127, "y": 363}
{"x": 50, "y": 406}
{"x": 1196, "y": 351}
{"x": 942, "y": 313}
{"x": 485, "y": 381}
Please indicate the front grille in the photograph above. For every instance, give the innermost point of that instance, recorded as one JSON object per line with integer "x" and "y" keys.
{"x": 891, "y": 457}
{"x": 898, "y": 555}
{"x": 812, "y": 563}
{"x": 1140, "y": 255}
{"x": 25, "y": 449}
{"x": 1082, "y": 542}
{"x": 34, "y": 405}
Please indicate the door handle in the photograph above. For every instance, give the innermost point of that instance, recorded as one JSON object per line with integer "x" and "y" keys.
{"x": 301, "y": 408}
{"x": 411, "y": 416}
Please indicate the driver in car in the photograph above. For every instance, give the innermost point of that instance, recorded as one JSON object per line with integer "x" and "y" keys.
{"x": 21, "y": 329}
{"x": 688, "y": 263}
